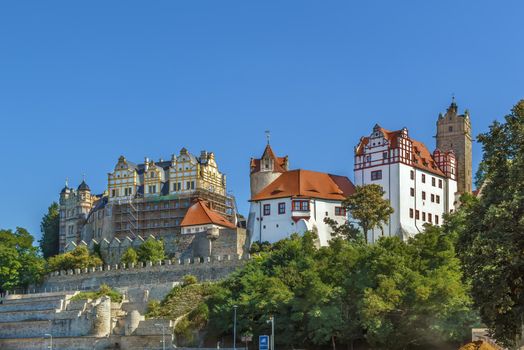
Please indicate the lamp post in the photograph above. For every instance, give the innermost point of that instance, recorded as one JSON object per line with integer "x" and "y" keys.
{"x": 163, "y": 335}
{"x": 47, "y": 335}
{"x": 272, "y": 320}
{"x": 235, "y": 328}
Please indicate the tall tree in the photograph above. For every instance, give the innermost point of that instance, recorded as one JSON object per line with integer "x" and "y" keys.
{"x": 368, "y": 208}
{"x": 49, "y": 226}
{"x": 491, "y": 244}
{"x": 20, "y": 264}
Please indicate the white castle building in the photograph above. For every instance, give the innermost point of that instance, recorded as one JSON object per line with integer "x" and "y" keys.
{"x": 287, "y": 201}
{"x": 420, "y": 186}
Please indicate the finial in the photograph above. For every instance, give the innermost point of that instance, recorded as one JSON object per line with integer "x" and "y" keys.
{"x": 83, "y": 176}
{"x": 67, "y": 182}
{"x": 268, "y": 136}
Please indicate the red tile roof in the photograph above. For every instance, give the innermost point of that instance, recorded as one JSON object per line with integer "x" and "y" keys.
{"x": 307, "y": 184}
{"x": 200, "y": 214}
{"x": 279, "y": 163}
{"x": 422, "y": 158}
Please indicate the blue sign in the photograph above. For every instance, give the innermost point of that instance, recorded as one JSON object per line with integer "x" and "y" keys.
{"x": 263, "y": 342}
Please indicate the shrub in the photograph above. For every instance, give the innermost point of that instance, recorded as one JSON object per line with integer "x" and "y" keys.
{"x": 79, "y": 258}
{"x": 129, "y": 257}
{"x": 151, "y": 250}
{"x": 189, "y": 280}
{"x": 104, "y": 290}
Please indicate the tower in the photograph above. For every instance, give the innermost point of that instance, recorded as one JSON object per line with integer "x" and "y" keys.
{"x": 454, "y": 133}
{"x": 265, "y": 170}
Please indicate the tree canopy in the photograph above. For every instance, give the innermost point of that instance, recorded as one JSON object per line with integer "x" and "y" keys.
{"x": 491, "y": 239}
{"x": 49, "y": 226}
{"x": 20, "y": 264}
{"x": 151, "y": 250}
{"x": 79, "y": 258}
{"x": 391, "y": 294}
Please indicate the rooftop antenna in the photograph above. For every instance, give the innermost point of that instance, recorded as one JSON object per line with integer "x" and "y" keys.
{"x": 268, "y": 136}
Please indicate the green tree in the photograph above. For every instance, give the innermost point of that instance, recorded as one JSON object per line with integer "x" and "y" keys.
{"x": 49, "y": 226}
{"x": 369, "y": 210}
{"x": 20, "y": 264}
{"x": 491, "y": 243}
{"x": 79, "y": 258}
{"x": 151, "y": 250}
{"x": 129, "y": 257}
{"x": 368, "y": 207}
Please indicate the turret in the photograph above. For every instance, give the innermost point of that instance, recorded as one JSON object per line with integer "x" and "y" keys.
{"x": 267, "y": 169}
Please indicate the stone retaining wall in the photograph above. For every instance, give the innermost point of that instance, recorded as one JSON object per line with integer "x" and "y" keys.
{"x": 205, "y": 269}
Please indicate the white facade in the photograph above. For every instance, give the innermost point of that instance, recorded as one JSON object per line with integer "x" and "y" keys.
{"x": 277, "y": 225}
{"x": 420, "y": 186}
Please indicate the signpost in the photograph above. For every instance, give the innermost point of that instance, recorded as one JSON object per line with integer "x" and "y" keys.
{"x": 263, "y": 342}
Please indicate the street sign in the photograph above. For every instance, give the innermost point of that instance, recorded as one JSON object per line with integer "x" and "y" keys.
{"x": 263, "y": 342}
{"x": 247, "y": 338}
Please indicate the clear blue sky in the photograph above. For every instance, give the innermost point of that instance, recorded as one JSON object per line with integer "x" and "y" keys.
{"x": 83, "y": 82}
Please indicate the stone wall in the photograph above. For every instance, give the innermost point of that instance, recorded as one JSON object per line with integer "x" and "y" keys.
{"x": 180, "y": 246}
{"x": 205, "y": 269}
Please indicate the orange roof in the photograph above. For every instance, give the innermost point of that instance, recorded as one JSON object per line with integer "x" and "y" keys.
{"x": 307, "y": 184}
{"x": 279, "y": 163}
{"x": 200, "y": 214}
{"x": 422, "y": 158}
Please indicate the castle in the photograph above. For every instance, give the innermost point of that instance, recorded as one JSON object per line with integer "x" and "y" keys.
{"x": 150, "y": 200}
{"x": 422, "y": 186}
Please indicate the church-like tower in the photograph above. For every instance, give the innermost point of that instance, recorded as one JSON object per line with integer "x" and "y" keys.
{"x": 454, "y": 133}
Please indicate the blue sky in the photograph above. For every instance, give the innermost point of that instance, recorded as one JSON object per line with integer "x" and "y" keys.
{"x": 83, "y": 82}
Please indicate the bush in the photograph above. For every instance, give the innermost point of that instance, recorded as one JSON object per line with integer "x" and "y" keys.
{"x": 189, "y": 280}
{"x": 76, "y": 259}
{"x": 129, "y": 257}
{"x": 151, "y": 250}
{"x": 104, "y": 290}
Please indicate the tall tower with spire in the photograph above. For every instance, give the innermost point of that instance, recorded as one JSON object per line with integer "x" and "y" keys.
{"x": 454, "y": 133}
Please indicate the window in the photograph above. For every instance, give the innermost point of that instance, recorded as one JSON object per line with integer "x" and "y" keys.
{"x": 450, "y": 129}
{"x": 412, "y": 192}
{"x": 423, "y": 178}
{"x": 385, "y": 155}
{"x": 174, "y": 186}
{"x": 437, "y": 197}
{"x": 429, "y": 218}
{"x": 339, "y": 211}
{"x": 192, "y": 185}
{"x": 113, "y": 193}
{"x": 376, "y": 175}
{"x": 423, "y": 216}
{"x": 301, "y": 205}
{"x": 439, "y": 183}
{"x": 267, "y": 209}
{"x": 179, "y": 186}
{"x": 411, "y": 213}
{"x": 436, "y": 219}
{"x": 412, "y": 175}
{"x": 432, "y": 198}
{"x": 152, "y": 175}
{"x": 282, "y": 208}
{"x": 368, "y": 158}
{"x": 433, "y": 181}
{"x": 152, "y": 189}
{"x": 423, "y": 195}
{"x": 188, "y": 185}
{"x": 417, "y": 214}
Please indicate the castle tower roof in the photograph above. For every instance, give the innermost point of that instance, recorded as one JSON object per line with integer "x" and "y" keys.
{"x": 200, "y": 214}
{"x": 279, "y": 163}
{"x": 83, "y": 186}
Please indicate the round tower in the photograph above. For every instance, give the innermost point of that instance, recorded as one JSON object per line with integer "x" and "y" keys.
{"x": 265, "y": 170}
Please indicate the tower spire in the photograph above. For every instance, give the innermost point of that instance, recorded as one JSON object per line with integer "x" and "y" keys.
{"x": 268, "y": 136}
{"x": 67, "y": 182}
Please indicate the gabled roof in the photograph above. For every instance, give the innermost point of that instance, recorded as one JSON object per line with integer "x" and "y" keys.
{"x": 200, "y": 214}
{"x": 307, "y": 184}
{"x": 279, "y": 163}
{"x": 422, "y": 158}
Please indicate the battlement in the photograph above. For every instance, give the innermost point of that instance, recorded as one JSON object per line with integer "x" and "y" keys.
{"x": 120, "y": 275}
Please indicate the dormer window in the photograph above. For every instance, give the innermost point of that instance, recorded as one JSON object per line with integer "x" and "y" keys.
{"x": 152, "y": 175}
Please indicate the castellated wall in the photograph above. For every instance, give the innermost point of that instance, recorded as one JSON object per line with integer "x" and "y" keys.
{"x": 162, "y": 272}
